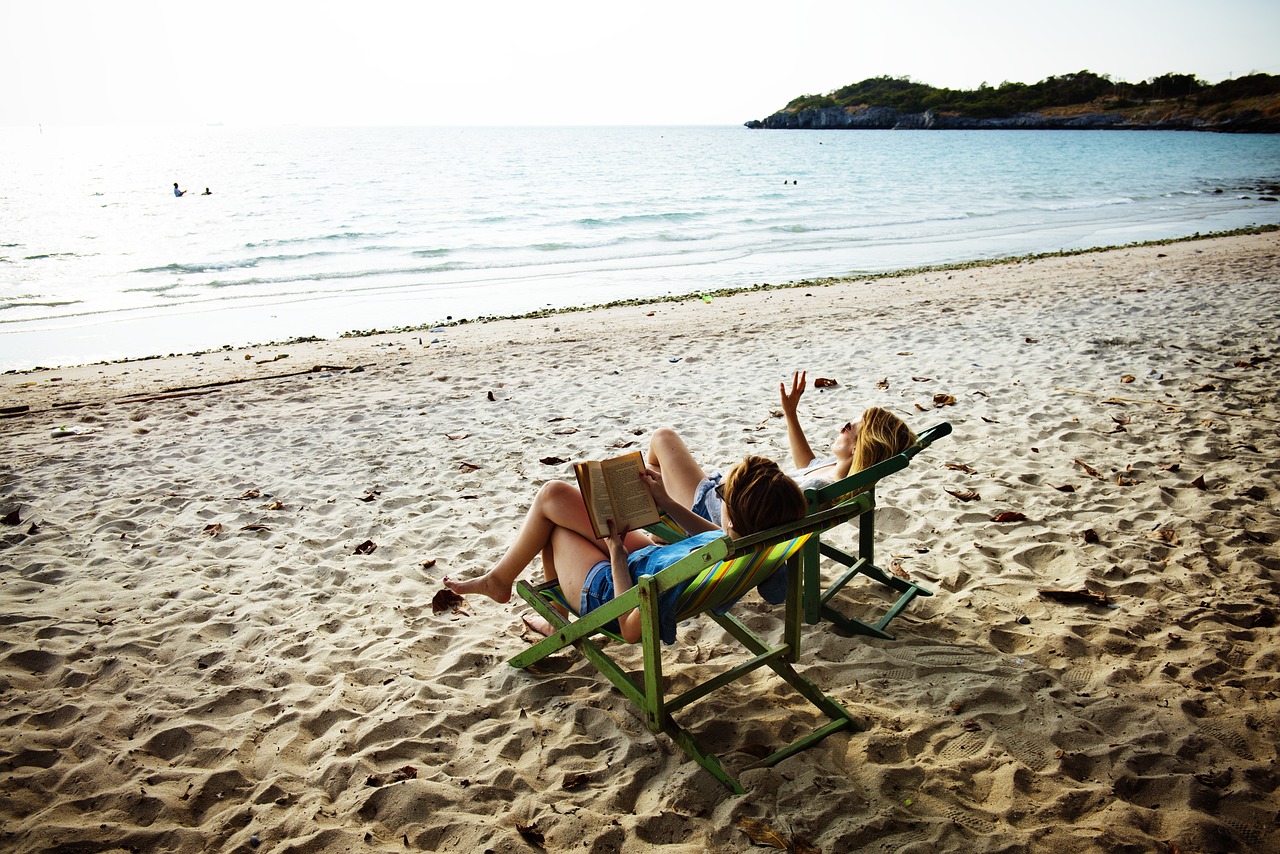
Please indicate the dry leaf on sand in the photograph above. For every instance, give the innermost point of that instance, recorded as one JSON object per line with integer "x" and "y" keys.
{"x": 531, "y": 834}
{"x": 964, "y": 494}
{"x": 1089, "y": 470}
{"x": 446, "y": 600}
{"x": 762, "y": 833}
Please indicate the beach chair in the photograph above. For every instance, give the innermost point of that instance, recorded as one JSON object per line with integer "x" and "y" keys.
{"x": 817, "y": 601}
{"x": 717, "y": 574}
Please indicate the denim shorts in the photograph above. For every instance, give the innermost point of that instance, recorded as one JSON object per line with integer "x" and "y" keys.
{"x": 705, "y": 501}
{"x": 597, "y": 588}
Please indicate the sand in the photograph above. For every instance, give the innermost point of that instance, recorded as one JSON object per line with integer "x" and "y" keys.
{"x": 194, "y": 657}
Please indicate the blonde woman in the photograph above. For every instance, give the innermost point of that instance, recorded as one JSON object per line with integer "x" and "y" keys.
{"x": 876, "y": 436}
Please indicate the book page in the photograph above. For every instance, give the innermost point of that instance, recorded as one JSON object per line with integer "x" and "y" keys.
{"x": 595, "y": 493}
{"x": 633, "y": 506}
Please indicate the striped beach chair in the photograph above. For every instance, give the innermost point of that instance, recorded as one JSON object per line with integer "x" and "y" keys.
{"x": 710, "y": 580}
{"x": 817, "y": 599}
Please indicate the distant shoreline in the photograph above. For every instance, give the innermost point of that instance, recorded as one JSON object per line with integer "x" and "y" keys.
{"x": 670, "y": 298}
{"x": 807, "y": 283}
{"x": 1076, "y": 101}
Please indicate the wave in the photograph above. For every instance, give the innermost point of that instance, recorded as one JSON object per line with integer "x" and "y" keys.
{"x": 341, "y": 235}
{"x": 631, "y": 219}
{"x": 241, "y": 264}
{"x": 45, "y": 255}
{"x": 1088, "y": 204}
{"x": 19, "y": 302}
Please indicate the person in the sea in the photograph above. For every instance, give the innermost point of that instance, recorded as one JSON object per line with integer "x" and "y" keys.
{"x": 873, "y": 438}
{"x": 177, "y": 192}
{"x": 757, "y": 495}
{"x": 206, "y": 192}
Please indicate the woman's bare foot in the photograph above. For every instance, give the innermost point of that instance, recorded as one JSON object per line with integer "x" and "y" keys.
{"x": 485, "y": 585}
{"x": 539, "y": 624}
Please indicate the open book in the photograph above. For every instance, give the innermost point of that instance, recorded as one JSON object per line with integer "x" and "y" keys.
{"x": 613, "y": 489}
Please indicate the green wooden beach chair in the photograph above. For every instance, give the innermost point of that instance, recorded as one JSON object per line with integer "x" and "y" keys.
{"x": 817, "y": 601}
{"x": 717, "y": 574}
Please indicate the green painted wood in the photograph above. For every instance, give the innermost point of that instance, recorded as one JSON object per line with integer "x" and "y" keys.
{"x": 649, "y": 695}
{"x": 817, "y": 605}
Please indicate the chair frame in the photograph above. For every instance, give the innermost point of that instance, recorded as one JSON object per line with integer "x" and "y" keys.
{"x": 649, "y": 695}
{"x": 817, "y": 600}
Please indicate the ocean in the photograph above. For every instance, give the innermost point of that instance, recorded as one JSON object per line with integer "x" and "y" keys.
{"x": 321, "y": 231}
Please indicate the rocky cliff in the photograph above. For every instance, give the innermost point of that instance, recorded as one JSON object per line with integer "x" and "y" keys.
{"x": 887, "y": 118}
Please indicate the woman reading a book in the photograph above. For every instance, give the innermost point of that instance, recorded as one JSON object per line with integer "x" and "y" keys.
{"x": 875, "y": 437}
{"x": 757, "y": 495}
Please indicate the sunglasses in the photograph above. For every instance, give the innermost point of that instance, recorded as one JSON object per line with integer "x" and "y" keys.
{"x": 720, "y": 491}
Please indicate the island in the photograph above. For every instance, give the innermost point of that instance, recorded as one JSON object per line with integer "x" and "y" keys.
{"x": 1079, "y": 101}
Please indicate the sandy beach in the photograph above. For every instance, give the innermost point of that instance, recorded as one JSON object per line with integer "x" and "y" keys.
{"x": 217, "y": 571}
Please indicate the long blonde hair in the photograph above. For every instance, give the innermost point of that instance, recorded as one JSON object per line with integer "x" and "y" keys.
{"x": 881, "y": 436}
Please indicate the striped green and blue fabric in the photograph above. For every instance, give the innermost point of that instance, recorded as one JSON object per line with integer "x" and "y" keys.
{"x": 722, "y": 584}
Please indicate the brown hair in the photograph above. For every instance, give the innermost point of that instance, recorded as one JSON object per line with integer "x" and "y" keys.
{"x": 758, "y": 495}
{"x": 881, "y": 436}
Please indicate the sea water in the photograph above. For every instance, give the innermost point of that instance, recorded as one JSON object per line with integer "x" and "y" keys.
{"x": 321, "y": 231}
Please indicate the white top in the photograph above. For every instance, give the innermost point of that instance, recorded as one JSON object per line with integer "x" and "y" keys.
{"x": 805, "y": 480}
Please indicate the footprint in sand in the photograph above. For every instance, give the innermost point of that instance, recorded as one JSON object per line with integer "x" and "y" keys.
{"x": 1028, "y": 749}
{"x": 963, "y": 746}
{"x": 1233, "y": 741}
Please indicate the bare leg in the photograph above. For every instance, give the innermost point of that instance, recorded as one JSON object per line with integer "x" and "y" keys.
{"x": 539, "y": 624}
{"x": 557, "y": 505}
{"x": 681, "y": 474}
{"x": 567, "y": 559}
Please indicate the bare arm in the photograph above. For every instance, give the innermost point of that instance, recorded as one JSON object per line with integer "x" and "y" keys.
{"x": 628, "y": 623}
{"x": 801, "y": 453}
{"x": 691, "y": 522}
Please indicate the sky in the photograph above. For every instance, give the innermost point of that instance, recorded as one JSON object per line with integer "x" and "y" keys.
{"x": 568, "y": 62}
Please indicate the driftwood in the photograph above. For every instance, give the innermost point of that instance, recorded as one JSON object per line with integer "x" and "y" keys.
{"x": 1087, "y": 597}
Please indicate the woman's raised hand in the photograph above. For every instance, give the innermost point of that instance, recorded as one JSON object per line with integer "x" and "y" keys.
{"x": 791, "y": 397}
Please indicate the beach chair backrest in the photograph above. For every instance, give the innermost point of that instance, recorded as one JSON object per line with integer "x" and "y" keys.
{"x": 728, "y": 580}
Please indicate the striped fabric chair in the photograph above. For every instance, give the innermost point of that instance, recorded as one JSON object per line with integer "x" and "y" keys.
{"x": 713, "y": 577}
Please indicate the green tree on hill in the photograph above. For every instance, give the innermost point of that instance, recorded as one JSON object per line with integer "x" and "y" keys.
{"x": 1009, "y": 98}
